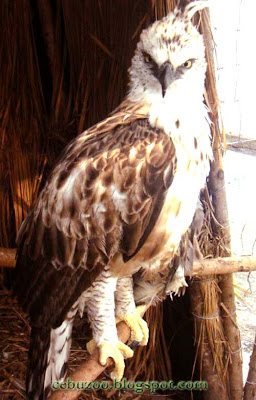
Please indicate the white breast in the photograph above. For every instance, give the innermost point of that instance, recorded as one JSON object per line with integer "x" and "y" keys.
{"x": 191, "y": 137}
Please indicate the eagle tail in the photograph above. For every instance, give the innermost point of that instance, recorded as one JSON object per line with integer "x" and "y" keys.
{"x": 37, "y": 362}
{"x": 48, "y": 356}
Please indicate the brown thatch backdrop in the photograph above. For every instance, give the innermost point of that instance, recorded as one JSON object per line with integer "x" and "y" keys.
{"x": 63, "y": 67}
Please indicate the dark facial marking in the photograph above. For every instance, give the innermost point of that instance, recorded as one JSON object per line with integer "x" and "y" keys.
{"x": 151, "y": 63}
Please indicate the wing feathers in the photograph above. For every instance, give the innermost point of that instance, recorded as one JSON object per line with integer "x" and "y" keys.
{"x": 103, "y": 197}
{"x": 36, "y": 239}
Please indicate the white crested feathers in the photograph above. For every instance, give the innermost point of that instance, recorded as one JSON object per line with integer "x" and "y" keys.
{"x": 175, "y": 40}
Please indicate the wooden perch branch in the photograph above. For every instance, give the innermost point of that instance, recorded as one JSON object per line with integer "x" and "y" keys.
{"x": 7, "y": 257}
{"x": 224, "y": 265}
{"x": 221, "y": 265}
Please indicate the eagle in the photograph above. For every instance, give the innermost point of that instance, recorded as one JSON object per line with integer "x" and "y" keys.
{"x": 117, "y": 205}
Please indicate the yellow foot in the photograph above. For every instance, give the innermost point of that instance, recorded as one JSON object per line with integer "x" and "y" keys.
{"x": 118, "y": 351}
{"x": 139, "y": 327}
{"x": 91, "y": 346}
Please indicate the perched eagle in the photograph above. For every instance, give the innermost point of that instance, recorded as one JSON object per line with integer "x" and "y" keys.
{"x": 119, "y": 200}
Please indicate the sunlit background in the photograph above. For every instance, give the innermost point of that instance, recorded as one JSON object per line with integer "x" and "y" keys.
{"x": 233, "y": 23}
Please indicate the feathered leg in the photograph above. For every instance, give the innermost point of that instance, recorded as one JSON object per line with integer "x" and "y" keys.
{"x": 101, "y": 307}
{"x": 126, "y": 310}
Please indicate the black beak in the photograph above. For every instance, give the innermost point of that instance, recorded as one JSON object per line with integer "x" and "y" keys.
{"x": 166, "y": 77}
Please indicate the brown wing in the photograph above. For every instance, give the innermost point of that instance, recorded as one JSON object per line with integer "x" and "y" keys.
{"x": 103, "y": 197}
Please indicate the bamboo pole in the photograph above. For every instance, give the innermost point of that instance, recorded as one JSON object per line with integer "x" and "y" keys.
{"x": 204, "y": 267}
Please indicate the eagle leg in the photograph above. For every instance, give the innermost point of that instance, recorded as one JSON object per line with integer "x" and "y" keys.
{"x": 126, "y": 311}
{"x": 178, "y": 284}
{"x": 101, "y": 313}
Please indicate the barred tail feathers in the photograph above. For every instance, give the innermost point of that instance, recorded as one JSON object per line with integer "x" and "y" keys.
{"x": 37, "y": 362}
{"x": 48, "y": 358}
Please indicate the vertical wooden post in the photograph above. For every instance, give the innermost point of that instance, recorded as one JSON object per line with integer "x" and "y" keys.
{"x": 217, "y": 189}
{"x": 219, "y": 201}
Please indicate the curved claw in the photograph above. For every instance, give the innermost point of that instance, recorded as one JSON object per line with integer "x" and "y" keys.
{"x": 178, "y": 284}
{"x": 118, "y": 351}
{"x": 177, "y": 288}
{"x": 91, "y": 346}
{"x": 139, "y": 327}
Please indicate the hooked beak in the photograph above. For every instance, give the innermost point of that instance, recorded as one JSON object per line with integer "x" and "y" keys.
{"x": 167, "y": 76}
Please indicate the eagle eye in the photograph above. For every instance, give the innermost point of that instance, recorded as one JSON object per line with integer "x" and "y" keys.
{"x": 187, "y": 64}
{"x": 147, "y": 58}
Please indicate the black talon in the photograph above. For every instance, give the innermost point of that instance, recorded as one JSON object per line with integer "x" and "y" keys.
{"x": 134, "y": 344}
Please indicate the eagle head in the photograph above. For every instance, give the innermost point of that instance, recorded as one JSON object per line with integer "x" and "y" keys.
{"x": 169, "y": 62}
